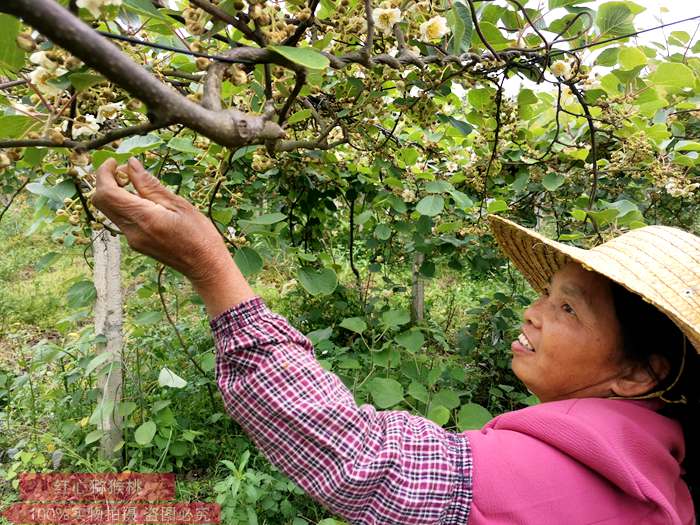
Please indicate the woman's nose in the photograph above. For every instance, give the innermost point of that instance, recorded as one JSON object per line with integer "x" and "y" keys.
{"x": 532, "y": 313}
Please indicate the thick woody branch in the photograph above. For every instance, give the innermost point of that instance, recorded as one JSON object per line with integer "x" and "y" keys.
{"x": 82, "y": 145}
{"x": 293, "y": 145}
{"x": 222, "y": 15}
{"x": 303, "y": 26}
{"x": 366, "y": 52}
{"x": 230, "y": 128}
{"x": 211, "y": 98}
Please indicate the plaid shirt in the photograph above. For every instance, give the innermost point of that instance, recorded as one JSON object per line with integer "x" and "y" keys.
{"x": 367, "y": 466}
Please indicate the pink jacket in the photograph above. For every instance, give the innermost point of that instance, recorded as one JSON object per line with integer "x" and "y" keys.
{"x": 580, "y": 461}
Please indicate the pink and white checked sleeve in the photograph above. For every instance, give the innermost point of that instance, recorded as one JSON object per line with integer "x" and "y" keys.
{"x": 369, "y": 467}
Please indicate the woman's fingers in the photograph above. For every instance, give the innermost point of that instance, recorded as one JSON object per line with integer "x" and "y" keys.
{"x": 120, "y": 206}
{"x": 148, "y": 186}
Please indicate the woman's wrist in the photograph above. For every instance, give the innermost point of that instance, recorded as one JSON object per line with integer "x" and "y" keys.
{"x": 223, "y": 288}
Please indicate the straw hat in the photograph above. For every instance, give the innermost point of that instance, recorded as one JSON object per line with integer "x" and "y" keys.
{"x": 659, "y": 263}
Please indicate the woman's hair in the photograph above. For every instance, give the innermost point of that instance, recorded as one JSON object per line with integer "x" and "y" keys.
{"x": 646, "y": 332}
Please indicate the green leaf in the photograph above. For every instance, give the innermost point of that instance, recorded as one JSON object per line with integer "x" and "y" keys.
{"x": 430, "y": 205}
{"x": 614, "y": 19}
{"x": 267, "y": 219}
{"x": 447, "y": 398}
{"x": 472, "y": 416}
{"x": 481, "y": 98}
{"x": 159, "y": 405}
{"x": 304, "y": 56}
{"x": 464, "y": 128}
{"x": 418, "y": 391}
{"x": 299, "y": 116}
{"x": 34, "y": 156}
{"x": 438, "y": 186}
{"x": 144, "y": 434}
{"x": 551, "y": 181}
{"x": 81, "y": 294}
{"x": 147, "y": 318}
{"x": 411, "y": 340}
{"x": 673, "y": 77}
{"x": 462, "y": 200}
{"x": 169, "y": 378}
{"x": 139, "y": 144}
{"x": 608, "y": 57}
{"x": 687, "y": 145}
{"x": 46, "y": 261}
{"x": 242, "y": 152}
{"x": 104, "y": 410}
{"x": 527, "y": 97}
{"x": 58, "y": 193}
{"x": 394, "y": 318}
{"x": 97, "y": 362}
{"x": 144, "y": 7}
{"x": 462, "y": 28}
{"x": 354, "y": 324}
{"x": 386, "y": 392}
{"x": 125, "y": 408}
{"x": 318, "y": 282}
{"x": 13, "y": 126}
{"x": 553, "y": 4}
{"x": 222, "y": 215}
{"x": 604, "y": 217}
{"x": 382, "y": 232}
{"x": 11, "y": 56}
{"x": 493, "y": 36}
{"x": 82, "y": 81}
{"x": 497, "y": 205}
{"x": 248, "y": 261}
{"x": 93, "y": 436}
{"x": 182, "y": 144}
{"x": 631, "y": 57}
{"x": 427, "y": 269}
{"x": 439, "y": 414}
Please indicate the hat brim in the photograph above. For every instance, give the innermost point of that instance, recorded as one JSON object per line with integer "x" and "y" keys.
{"x": 539, "y": 258}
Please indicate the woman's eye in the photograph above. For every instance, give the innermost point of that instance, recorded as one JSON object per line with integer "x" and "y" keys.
{"x": 568, "y": 309}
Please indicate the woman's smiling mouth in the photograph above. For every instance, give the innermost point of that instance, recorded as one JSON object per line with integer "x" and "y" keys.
{"x": 522, "y": 345}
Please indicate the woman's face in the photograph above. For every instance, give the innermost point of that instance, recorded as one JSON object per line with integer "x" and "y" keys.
{"x": 572, "y": 340}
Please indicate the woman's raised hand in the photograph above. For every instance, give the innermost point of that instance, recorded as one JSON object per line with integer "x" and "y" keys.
{"x": 158, "y": 223}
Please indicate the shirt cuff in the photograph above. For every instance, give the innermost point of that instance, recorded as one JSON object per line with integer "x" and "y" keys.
{"x": 239, "y": 316}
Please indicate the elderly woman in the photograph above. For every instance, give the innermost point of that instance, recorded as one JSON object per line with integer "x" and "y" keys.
{"x": 610, "y": 348}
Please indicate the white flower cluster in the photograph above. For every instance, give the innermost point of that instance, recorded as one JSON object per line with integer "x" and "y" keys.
{"x": 47, "y": 70}
{"x": 434, "y": 29}
{"x": 678, "y": 189}
{"x": 94, "y": 5}
{"x": 384, "y": 19}
{"x": 561, "y": 69}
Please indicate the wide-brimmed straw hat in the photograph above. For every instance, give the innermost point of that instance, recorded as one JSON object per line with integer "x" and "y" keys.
{"x": 659, "y": 263}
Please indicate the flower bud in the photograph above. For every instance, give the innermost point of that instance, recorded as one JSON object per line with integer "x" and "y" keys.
{"x": 56, "y": 136}
{"x": 26, "y": 42}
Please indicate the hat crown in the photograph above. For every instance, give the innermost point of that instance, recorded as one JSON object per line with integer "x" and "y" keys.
{"x": 659, "y": 263}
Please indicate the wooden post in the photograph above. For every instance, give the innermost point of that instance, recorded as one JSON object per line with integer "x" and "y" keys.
{"x": 108, "y": 323}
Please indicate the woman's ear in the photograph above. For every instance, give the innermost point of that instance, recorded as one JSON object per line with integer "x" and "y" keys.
{"x": 639, "y": 379}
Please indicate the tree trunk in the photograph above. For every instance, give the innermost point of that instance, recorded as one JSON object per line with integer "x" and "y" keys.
{"x": 108, "y": 323}
{"x": 417, "y": 290}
